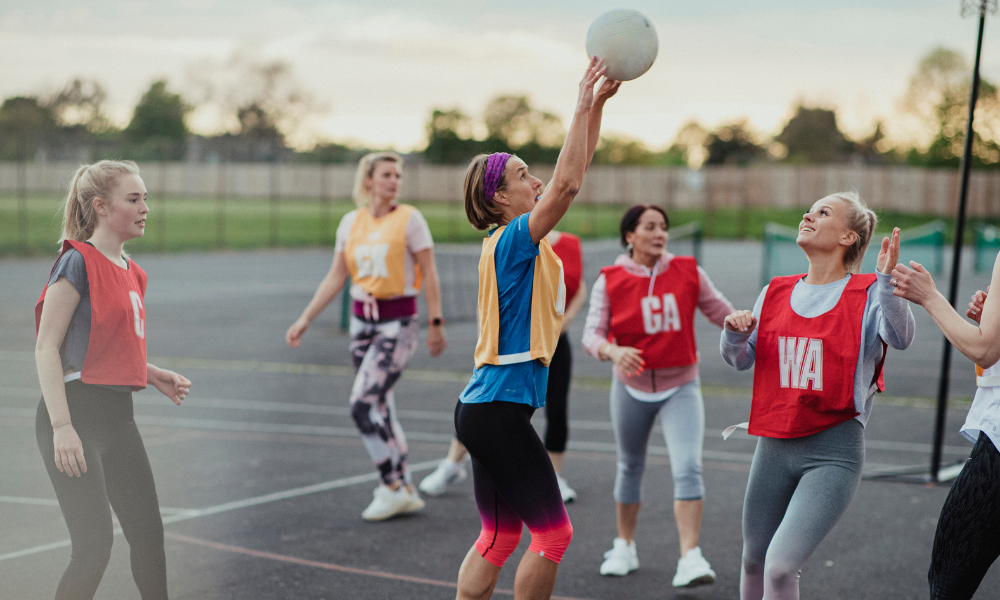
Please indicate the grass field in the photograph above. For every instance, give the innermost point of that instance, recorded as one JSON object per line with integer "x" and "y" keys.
{"x": 32, "y": 225}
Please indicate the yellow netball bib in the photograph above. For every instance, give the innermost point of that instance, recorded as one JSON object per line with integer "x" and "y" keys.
{"x": 376, "y": 253}
{"x": 548, "y": 302}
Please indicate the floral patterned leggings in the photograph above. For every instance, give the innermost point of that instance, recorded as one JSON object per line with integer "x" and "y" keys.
{"x": 380, "y": 351}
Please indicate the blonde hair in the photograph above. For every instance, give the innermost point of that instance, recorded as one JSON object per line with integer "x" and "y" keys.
{"x": 89, "y": 182}
{"x": 480, "y": 210}
{"x": 366, "y": 169}
{"x": 862, "y": 221}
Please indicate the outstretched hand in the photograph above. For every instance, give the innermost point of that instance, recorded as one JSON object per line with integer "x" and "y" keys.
{"x": 913, "y": 283}
{"x": 609, "y": 87}
{"x": 888, "y": 255}
{"x": 594, "y": 72}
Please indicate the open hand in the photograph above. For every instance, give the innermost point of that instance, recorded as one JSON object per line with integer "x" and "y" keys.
{"x": 888, "y": 255}
{"x": 594, "y": 72}
{"x": 609, "y": 87}
{"x": 68, "y": 451}
{"x": 741, "y": 321}
{"x": 913, "y": 283}
{"x": 628, "y": 359}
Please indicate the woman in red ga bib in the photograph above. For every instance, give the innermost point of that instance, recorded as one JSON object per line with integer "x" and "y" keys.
{"x": 91, "y": 356}
{"x": 818, "y": 342}
{"x": 641, "y": 317}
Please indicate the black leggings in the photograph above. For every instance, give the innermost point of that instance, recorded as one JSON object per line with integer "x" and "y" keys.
{"x": 515, "y": 484}
{"x": 118, "y": 477}
{"x": 557, "y": 396}
{"x": 968, "y": 532}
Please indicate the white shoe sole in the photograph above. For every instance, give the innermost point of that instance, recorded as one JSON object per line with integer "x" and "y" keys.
{"x": 702, "y": 580}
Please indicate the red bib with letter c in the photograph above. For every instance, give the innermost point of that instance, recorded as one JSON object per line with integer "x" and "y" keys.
{"x": 116, "y": 354}
{"x": 658, "y": 322}
{"x": 803, "y": 380}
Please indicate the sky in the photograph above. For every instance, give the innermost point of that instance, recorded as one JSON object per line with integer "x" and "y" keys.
{"x": 376, "y": 69}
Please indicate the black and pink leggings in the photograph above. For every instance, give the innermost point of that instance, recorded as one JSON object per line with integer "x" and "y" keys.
{"x": 515, "y": 484}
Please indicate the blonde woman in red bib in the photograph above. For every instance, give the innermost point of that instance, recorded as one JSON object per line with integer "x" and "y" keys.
{"x": 817, "y": 342}
{"x": 91, "y": 355}
{"x": 387, "y": 250}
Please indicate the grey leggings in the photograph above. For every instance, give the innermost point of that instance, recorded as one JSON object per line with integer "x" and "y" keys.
{"x": 682, "y": 418}
{"x": 798, "y": 489}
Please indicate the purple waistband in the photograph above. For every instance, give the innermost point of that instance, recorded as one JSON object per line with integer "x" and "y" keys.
{"x": 396, "y": 308}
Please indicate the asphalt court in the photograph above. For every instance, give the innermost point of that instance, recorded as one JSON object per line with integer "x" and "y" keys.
{"x": 262, "y": 477}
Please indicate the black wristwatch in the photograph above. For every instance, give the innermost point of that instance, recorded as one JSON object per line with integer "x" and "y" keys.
{"x": 436, "y": 322}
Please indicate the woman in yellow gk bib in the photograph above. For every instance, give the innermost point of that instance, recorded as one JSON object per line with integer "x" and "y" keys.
{"x": 522, "y": 297}
{"x": 387, "y": 250}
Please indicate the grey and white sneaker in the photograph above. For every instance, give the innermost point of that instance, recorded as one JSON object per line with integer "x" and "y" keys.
{"x": 444, "y": 475}
{"x": 693, "y": 569}
{"x": 568, "y": 493}
{"x": 621, "y": 560}
{"x": 387, "y": 503}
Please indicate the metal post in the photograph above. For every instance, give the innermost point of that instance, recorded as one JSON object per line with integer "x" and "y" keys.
{"x": 22, "y": 205}
{"x": 956, "y": 261}
{"x": 274, "y": 224}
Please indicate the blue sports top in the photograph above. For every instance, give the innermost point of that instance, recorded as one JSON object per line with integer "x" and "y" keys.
{"x": 524, "y": 382}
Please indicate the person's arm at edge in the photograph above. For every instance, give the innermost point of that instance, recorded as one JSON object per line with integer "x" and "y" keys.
{"x": 574, "y": 306}
{"x": 329, "y": 287}
{"x": 436, "y": 341}
{"x": 61, "y": 300}
{"x": 595, "y": 328}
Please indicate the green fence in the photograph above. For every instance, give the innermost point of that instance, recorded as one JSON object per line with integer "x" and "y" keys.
{"x": 782, "y": 256}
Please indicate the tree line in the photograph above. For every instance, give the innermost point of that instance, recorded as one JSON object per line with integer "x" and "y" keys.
{"x": 260, "y": 103}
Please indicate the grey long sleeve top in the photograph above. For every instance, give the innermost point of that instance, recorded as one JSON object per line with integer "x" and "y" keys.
{"x": 887, "y": 318}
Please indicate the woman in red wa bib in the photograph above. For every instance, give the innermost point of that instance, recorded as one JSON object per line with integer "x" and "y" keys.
{"x": 91, "y": 356}
{"x": 818, "y": 342}
{"x": 641, "y": 317}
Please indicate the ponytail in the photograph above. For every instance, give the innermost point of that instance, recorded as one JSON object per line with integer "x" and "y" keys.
{"x": 862, "y": 221}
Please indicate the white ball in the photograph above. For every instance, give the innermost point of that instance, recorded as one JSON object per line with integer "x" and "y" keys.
{"x": 626, "y": 40}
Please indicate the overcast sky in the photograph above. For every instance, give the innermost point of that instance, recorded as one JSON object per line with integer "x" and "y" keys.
{"x": 378, "y": 68}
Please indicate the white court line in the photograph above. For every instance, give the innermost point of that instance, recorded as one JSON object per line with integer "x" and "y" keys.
{"x": 421, "y": 415}
{"x": 164, "y": 510}
{"x": 195, "y": 513}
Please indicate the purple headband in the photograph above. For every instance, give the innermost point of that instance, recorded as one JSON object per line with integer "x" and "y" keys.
{"x": 495, "y": 165}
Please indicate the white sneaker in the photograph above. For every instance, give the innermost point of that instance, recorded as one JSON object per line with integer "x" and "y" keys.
{"x": 621, "y": 560}
{"x": 388, "y": 503}
{"x": 444, "y": 475}
{"x": 568, "y": 493}
{"x": 693, "y": 569}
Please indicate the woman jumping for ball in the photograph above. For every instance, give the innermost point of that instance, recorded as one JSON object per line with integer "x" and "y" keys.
{"x": 521, "y": 304}
{"x": 817, "y": 342}
{"x": 91, "y": 356}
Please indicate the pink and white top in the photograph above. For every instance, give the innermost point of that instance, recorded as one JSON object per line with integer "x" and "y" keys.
{"x": 651, "y": 383}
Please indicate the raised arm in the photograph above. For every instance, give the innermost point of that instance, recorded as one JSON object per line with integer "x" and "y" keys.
{"x": 329, "y": 287}
{"x": 738, "y": 344}
{"x": 608, "y": 88}
{"x": 572, "y": 162}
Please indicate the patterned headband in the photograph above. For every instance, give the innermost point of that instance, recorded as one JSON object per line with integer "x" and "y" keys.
{"x": 495, "y": 165}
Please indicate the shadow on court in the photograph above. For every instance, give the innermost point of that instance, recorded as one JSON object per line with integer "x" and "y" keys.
{"x": 262, "y": 477}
